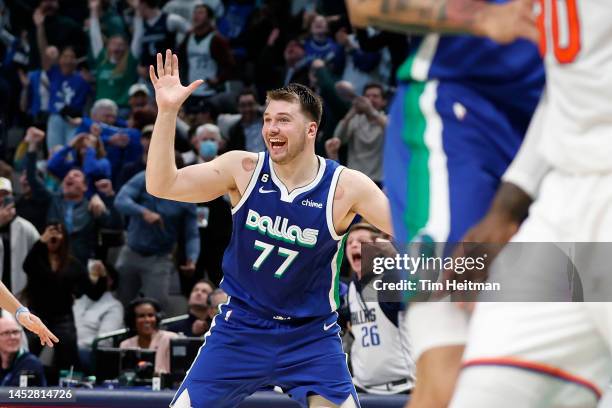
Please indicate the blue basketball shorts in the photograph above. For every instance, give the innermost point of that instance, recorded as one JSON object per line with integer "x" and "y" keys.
{"x": 243, "y": 352}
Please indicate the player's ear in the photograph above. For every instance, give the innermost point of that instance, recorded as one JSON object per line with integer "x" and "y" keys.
{"x": 312, "y": 130}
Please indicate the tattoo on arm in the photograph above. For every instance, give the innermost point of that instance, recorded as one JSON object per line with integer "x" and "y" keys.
{"x": 424, "y": 15}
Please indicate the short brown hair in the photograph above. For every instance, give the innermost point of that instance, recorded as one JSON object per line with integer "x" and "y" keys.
{"x": 310, "y": 103}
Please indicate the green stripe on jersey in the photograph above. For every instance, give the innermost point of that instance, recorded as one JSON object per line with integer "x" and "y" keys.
{"x": 416, "y": 213}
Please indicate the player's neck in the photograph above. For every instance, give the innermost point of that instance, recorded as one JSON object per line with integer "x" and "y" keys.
{"x": 299, "y": 172}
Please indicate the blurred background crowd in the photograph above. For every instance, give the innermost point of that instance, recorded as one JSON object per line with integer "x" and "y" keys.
{"x": 76, "y": 116}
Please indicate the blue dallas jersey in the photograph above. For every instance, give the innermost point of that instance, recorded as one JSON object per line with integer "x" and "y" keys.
{"x": 511, "y": 76}
{"x": 284, "y": 256}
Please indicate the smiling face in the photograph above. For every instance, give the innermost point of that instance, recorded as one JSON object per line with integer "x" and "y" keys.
{"x": 287, "y": 131}
{"x": 146, "y": 323}
{"x": 353, "y": 248}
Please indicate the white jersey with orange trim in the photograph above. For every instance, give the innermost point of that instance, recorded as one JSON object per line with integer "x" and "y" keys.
{"x": 577, "y": 123}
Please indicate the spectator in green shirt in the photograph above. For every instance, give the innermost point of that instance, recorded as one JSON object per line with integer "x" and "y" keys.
{"x": 115, "y": 65}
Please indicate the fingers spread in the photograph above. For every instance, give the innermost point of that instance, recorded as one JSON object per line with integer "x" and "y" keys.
{"x": 192, "y": 86}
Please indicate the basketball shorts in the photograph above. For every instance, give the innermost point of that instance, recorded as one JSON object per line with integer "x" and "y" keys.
{"x": 243, "y": 352}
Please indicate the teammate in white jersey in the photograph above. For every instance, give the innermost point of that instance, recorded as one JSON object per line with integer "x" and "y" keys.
{"x": 381, "y": 359}
{"x": 553, "y": 354}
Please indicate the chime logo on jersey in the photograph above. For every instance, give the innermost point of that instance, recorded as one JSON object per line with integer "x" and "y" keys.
{"x": 280, "y": 229}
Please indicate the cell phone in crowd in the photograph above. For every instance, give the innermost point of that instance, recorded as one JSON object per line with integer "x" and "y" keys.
{"x": 8, "y": 200}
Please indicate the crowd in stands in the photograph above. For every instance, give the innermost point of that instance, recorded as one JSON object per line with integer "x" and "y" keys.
{"x": 91, "y": 251}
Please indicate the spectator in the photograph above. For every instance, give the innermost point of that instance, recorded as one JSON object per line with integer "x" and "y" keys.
{"x": 233, "y": 25}
{"x": 199, "y": 113}
{"x": 371, "y": 40}
{"x": 60, "y": 31}
{"x": 116, "y": 65}
{"x": 96, "y": 317}
{"x": 363, "y": 129}
{"x": 122, "y": 144}
{"x": 86, "y": 153}
{"x": 131, "y": 169}
{"x": 145, "y": 263}
{"x": 17, "y": 236}
{"x": 379, "y": 360}
{"x": 205, "y": 145}
{"x": 198, "y": 321}
{"x": 215, "y": 299}
{"x": 360, "y": 66}
{"x": 207, "y": 55}
{"x": 184, "y": 8}
{"x": 15, "y": 360}
{"x": 320, "y": 46}
{"x": 82, "y": 217}
{"x": 138, "y": 97}
{"x": 246, "y": 133}
{"x": 155, "y": 31}
{"x": 271, "y": 74}
{"x": 142, "y": 317}
{"x": 68, "y": 90}
{"x": 214, "y": 217}
{"x": 30, "y": 206}
{"x": 55, "y": 279}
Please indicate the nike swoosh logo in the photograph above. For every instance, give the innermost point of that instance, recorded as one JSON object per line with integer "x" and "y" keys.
{"x": 262, "y": 191}
{"x": 327, "y": 327}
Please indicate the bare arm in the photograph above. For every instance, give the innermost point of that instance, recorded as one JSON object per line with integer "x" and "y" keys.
{"x": 366, "y": 199}
{"x": 198, "y": 183}
{"x": 41, "y": 39}
{"x": 25, "y": 318}
{"x": 501, "y": 22}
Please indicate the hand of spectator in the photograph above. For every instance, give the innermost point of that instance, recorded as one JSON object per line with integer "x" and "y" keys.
{"x": 38, "y": 17}
{"x": 199, "y": 327}
{"x": 120, "y": 140}
{"x": 317, "y": 64}
{"x": 105, "y": 186}
{"x": 50, "y": 233}
{"x": 7, "y": 213}
{"x": 342, "y": 38}
{"x": 169, "y": 93}
{"x": 35, "y": 325}
{"x": 152, "y": 217}
{"x": 96, "y": 270}
{"x": 363, "y": 105}
{"x": 273, "y": 37}
{"x": 188, "y": 269}
{"x": 95, "y": 129}
{"x": 34, "y": 135}
{"x": 331, "y": 147}
{"x": 96, "y": 206}
{"x": 133, "y": 4}
{"x": 78, "y": 141}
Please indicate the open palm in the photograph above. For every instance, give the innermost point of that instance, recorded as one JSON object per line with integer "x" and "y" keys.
{"x": 169, "y": 93}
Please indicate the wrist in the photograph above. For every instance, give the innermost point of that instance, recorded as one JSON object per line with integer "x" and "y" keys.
{"x": 20, "y": 310}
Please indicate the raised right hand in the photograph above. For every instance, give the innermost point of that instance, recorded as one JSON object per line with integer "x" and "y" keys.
{"x": 169, "y": 93}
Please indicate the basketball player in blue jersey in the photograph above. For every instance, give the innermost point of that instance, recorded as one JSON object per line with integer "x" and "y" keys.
{"x": 291, "y": 209}
{"x": 463, "y": 105}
